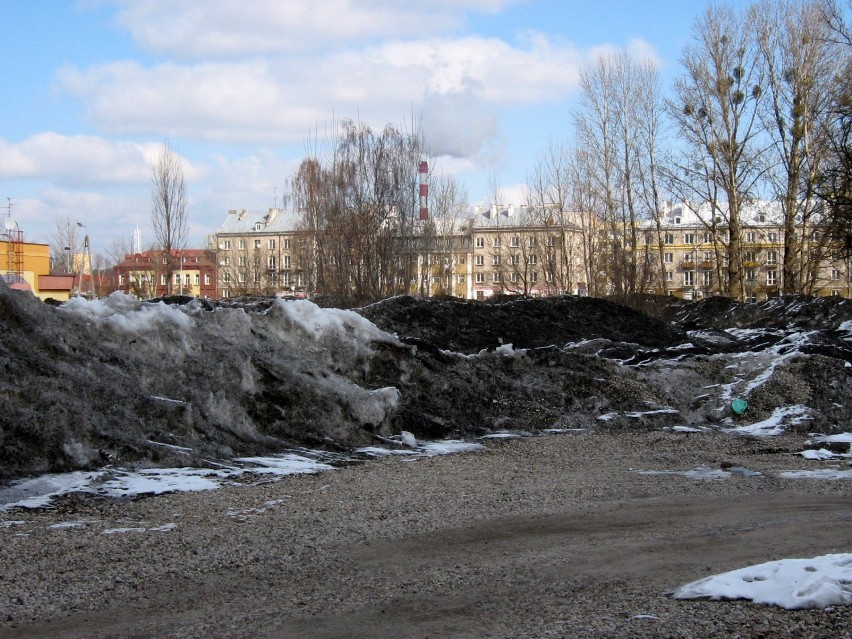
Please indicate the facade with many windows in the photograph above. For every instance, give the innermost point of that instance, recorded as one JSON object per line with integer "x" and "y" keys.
{"x": 694, "y": 243}
{"x": 535, "y": 252}
{"x": 145, "y": 275}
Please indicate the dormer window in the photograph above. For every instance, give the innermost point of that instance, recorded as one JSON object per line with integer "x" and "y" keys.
{"x": 258, "y": 226}
{"x": 677, "y": 220}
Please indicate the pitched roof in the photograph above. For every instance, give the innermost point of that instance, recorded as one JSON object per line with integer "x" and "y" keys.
{"x": 273, "y": 221}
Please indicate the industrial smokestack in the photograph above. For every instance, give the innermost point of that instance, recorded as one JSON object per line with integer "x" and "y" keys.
{"x": 424, "y": 191}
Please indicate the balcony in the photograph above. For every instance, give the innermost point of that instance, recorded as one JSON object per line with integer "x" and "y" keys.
{"x": 687, "y": 264}
{"x": 707, "y": 264}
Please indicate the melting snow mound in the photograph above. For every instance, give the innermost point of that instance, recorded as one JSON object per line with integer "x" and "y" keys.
{"x": 789, "y": 583}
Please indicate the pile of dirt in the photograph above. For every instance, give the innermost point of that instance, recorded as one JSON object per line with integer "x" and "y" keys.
{"x": 468, "y": 326}
{"x": 214, "y": 380}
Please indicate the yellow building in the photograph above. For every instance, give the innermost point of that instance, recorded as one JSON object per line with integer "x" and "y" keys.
{"x": 26, "y": 266}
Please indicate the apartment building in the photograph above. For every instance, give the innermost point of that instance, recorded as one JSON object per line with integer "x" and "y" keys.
{"x": 534, "y": 251}
{"x": 263, "y": 253}
{"x": 145, "y": 275}
{"x": 524, "y": 251}
{"x": 695, "y": 261}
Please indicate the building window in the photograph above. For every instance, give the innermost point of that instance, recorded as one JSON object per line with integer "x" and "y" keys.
{"x": 548, "y": 277}
{"x": 162, "y": 280}
{"x": 707, "y": 278}
{"x": 480, "y": 278}
{"x": 496, "y": 242}
{"x": 772, "y": 236}
{"x": 771, "y": 277}
{"x": 207, "y": 279}
{"x": 165, "y": 260}
{"x": 460, "y": 259}
{"x": 286, "y": 261}
{"x": 689, "y": 278}
{"x": 516, "y": 241}
{"x": 516, "y": 260}
{"x": 241, "y": 260}
{"x": 480, "y": 260}
{"x": 750, "y": 275}
{"x": 226, "y": 278}
{"x": 257, "y": 244}
{"x": 241, "y": 245}
{"x": 287, "y": 245}
{"x": 271, "y": 244}
{"x": 669, "y": 238}
{"x": 751, "y": 236}
{"x": 551, "y": 241}
{"x": 668, "y": 258}
{"x": 772, "y": 258}
{"x": 241, "y": 278}
{"x": 226, "y": 245}
{"x": 689, "y": 238}
{"x": 226, "y": 261}
{"x": 835, "y": 274}
{"x": 532, "y": 241}
{"x": 495, "y": 276}
{"x": 533, "y": 259}
{"x": 480, "y": 242}
{"x": 460, "y": 279}
{"x": 495, "y": 260}
{"x": 270, "y": 261}
{"x": 515, "y": 277}
{"x": 534, "y": 276}
{"x": 121, "y": 280}
{"x": 751, "y": 256}
{"x": 708, "y": 237}
{"x": 257, "y": 278}
{"x": 258, "y": 226}
{"x": 670, "y": 276}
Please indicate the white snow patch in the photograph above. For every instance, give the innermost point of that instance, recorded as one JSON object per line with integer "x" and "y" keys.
{"x": 125, "y": 313}
{"x": 775, "y": 423}
{"x": 606, "y": 417}
{"x": 789, "y": 583}
{"x": 506, "y": 350}
{"x": 822, "y": 453}
{"x": 699, "y": 473}
{"x": 826, "y": 473}
{"x": 840, "y": 438}
{"x": 287, "y": 464}
{"x": 660, "y": 411}
{"x": 122, "y": 531}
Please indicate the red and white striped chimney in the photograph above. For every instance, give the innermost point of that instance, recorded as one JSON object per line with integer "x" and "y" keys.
{"x": 424, "y": 191}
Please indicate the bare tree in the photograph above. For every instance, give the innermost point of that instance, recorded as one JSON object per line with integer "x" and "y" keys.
{"x": 801, "y": 65}
{"x": 168, "y": 207}
{"x": 359, "y": 204}
{"x": 65, "y": 246}
{"x": 715, "y": 112}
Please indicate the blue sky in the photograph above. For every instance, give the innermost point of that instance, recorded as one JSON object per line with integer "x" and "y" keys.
{"x": 91, "y": 88}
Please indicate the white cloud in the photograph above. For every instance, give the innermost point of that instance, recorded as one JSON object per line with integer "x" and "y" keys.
{"x": 76, "y": 159}
{"x": 457, "y": 84}
{"x": 217, "y": 28}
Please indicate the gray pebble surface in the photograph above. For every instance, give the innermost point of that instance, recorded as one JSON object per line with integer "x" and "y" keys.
{"x": 358, "y": 543}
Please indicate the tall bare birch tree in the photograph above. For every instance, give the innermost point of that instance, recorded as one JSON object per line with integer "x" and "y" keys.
{"x": 168, "y": 208}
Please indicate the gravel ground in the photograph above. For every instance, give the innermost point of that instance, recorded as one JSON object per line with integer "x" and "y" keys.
{"x": 552, "y": 536}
